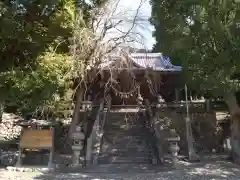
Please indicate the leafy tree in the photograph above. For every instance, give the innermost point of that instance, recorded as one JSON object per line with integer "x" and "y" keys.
{"x": 204, "y": 38}
{"x": 34, "y": 52}
{"x": 37, "y": 71}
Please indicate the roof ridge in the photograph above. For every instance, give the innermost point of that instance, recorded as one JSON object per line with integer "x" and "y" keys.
{"x": 148, "y": 54}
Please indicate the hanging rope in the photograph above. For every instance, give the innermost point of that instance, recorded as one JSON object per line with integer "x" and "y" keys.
{"x": 126, "y": 95}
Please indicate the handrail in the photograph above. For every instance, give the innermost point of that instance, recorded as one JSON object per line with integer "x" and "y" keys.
{"x": 153, "y": 139}
{"x": 105, "y": 117}
{"x": 94, "y": 136}
{"x": 181, "y": 104}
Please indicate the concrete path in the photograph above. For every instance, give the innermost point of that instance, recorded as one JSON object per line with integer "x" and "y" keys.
{"x": 218, "y": 170}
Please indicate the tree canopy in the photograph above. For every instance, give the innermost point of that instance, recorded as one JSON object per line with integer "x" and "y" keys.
{"x": 203, "y": 37}
{"x": 37, "y": 70}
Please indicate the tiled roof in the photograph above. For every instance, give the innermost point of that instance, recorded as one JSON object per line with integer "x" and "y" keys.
{"x": 154, "y": 61}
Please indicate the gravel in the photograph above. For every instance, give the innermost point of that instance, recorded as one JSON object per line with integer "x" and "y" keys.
{"x": 215, "y": 170}
{"x": 218, "y": 170}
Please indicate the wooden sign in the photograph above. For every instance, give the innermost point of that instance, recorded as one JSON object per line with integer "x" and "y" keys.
{"x": 36, "y": 139}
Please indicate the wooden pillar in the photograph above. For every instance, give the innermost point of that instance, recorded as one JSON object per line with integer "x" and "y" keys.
{"x": 50, "y": 161}
{"x": 176, "y": 94}
{"x": 208, "y": 105}
{"x": 192, "y": 155}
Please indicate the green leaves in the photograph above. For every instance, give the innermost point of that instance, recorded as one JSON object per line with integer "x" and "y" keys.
{"x": 34, "y": 91}
{"x": 35, "y": 64}
{"x": 36, "y": 71}
{"x": 201, "y": 35}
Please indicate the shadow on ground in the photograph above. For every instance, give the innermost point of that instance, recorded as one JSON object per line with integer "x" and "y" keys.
{"x": 219, "y": 170}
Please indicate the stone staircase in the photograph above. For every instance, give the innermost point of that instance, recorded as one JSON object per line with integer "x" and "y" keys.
{"x": 125, "y": 140}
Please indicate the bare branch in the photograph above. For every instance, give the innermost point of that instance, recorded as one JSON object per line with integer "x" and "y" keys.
{"x": 90, "y": 46}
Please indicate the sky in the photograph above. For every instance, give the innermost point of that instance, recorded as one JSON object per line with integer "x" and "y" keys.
{"x": 127, "y": 9}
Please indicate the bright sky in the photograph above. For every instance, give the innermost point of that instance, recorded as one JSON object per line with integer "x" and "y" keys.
{"x": 128, "y": 9}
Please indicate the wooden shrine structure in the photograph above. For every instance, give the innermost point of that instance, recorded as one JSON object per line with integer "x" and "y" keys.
{"x": 126, "y": 75}
{"x": 124, "y": 80}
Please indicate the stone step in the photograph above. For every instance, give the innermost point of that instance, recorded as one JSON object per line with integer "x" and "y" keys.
{"x": 124, "y": 124}
{"x": 127, "y": 154}
{"x": 124, "y": 129}
{"x": 139, "y": 131}
{"x": 121, "y": 155}
{"x": 126, "y": 135}
{"x": 120, "y": 138}
{"x": 130, "y": 150}
{"x": 118, "y": 144}
{"x": 121, "y": 120}
{"x": 124, "y": 142}
{"x": 126, "y": 132}
{"x": 133, "y": 149}
{"x": 124, "y": 160}
{"x": 122, "y": 116}
{"x": 114, "y": 147}
{"x": 123, "y": 133}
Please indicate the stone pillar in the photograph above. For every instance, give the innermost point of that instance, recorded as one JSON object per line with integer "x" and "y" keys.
{"x": 160, "y": 102}
{"x": 139, "y": 100}
{"x": 160, "y": 128}
{"x": 176, "y": 94}
{"x": 208, "y": 105}
{"x": 19, "y": 160}
{"x": 89, "y": 149}
{"x": 173, "y": 146}
{"x": 174, "y": 149}
{"x": 77, "y": 146}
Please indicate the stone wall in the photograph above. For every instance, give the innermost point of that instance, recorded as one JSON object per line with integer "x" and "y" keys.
{"x": 8, "y": 130}
{"x": 204, "y": 127}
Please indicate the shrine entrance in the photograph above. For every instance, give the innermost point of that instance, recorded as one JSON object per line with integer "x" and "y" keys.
{"x": 125, "y": 122}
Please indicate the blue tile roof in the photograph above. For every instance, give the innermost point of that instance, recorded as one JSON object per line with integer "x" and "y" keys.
{"x": 154, "y": 61}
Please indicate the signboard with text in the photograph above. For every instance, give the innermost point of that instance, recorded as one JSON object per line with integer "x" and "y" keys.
{"x": 36, "y": 139}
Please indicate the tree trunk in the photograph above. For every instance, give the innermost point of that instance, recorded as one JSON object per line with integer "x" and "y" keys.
{"x": 1, "y": 111}
{"x": 235, "y": 126}
{"x": 76, "y": 112}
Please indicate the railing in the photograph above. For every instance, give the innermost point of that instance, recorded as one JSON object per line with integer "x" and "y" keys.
{"x": 152, "y": 140}
{"x": 201, "y": 106}
{"x": 93, "y": 142}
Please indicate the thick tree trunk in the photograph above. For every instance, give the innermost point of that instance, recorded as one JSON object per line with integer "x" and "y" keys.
{"x": 76, "y": 112}
{"x": 232, "y": 104}
{"x": 235, "y": 126}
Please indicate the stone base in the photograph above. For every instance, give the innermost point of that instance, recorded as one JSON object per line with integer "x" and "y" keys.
{"x": 75, "y": 166}
{"x": 154, "y": 161}
{"x": 235, "y": 158}
{"x": 193, "y": 160}
{"x": 29, "y": 169}
{"x": 69, "y": 169}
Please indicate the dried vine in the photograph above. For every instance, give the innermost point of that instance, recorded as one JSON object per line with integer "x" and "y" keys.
{"x": 153, "y": 90}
